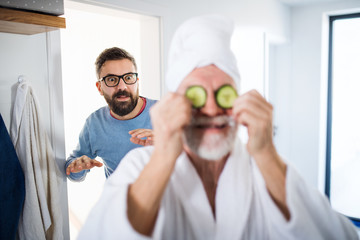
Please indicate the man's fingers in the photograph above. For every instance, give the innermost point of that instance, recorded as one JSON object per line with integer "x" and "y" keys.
{"x": 68, "y": 170}
{"x": 96, "y": 163}
{"x": 138, "y": 141}
{"x": 78, "y": 165}
{"x": 149, "y": 142}
{"x": 82, "y": 163}
{"x": 254, "y": 112}
{"x": 134, "y": 131}
{"x": 137, "y": 131}
{"x": 254, "y": 104}
{"x": 141, "y": 133}
{"x": 144, "y": 134}
{"x": 143, "y": 142}
{"x": 138, "y": 135}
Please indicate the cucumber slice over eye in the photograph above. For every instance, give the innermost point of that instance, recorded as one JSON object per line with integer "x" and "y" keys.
{"x": 225, "y": 96}
{"x": 197, "y": 95}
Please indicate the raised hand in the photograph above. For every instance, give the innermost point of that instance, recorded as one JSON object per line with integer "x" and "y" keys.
{"x": 169, "y": 117}
{"x": 138, "y": 134}
{"x": 82, "y": 163}
{"x": 255, "y": 113}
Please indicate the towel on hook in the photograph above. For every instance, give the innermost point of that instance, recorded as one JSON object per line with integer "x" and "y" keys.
{"x": 199, "y": 42}
{"x": 41, "y": 217}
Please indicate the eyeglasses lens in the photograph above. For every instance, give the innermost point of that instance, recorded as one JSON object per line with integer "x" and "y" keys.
{"x": 130, "y": 78}
{"x": 111, "y": 81}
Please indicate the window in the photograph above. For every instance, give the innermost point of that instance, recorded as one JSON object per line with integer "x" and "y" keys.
{"x": 342, "y": 184}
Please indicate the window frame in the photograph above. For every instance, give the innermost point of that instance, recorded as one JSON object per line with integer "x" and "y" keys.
{"x": 356, "y": 221}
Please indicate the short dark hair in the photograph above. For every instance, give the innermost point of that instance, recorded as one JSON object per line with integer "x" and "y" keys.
{"x": 113, "y": 53}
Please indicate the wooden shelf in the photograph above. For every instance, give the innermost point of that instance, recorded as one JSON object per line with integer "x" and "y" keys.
{"x": 22, "y": 22}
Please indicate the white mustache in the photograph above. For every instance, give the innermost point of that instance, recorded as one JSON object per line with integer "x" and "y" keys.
{"x": 218, "y": 120}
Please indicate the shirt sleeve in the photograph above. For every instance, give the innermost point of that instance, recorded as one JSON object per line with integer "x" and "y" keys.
{"x": 83, "y": 148}
{"x": 311, "y": 216}
{"x": 108, "y": 219}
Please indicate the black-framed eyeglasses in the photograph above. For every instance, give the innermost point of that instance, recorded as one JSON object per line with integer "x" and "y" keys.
{"x": 112, "y": 80}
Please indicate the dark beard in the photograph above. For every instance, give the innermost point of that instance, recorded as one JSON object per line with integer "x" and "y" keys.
{"x": 122, "y": 108}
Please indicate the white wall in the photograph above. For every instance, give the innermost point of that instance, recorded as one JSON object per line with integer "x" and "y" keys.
{"x": 279, "y": 95}
{"x": 298, "y": 89}
{"x": 264, "y": 16}
{"x": 23, "y": 55}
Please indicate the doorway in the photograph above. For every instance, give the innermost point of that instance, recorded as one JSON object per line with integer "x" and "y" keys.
{"x": 91, "y": 29}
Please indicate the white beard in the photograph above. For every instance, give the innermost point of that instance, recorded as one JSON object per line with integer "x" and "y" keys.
{"x": 211, "y": 146}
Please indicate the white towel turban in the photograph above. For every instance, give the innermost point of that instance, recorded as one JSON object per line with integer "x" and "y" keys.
{"x": 199, "y": 42}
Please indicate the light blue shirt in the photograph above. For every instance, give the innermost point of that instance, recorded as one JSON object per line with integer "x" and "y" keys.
{"x": 107, "y": 137}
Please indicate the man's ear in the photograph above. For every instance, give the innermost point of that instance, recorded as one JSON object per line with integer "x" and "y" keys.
{"x": 98, "y": 85}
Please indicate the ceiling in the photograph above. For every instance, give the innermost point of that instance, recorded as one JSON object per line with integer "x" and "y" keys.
{"x": 307, "y": 2}
{"x": 287, "y": 2}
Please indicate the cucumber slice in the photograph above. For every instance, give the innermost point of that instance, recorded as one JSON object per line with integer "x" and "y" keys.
{"x": 197, "y": 95}
{"x": 225, "y": 96}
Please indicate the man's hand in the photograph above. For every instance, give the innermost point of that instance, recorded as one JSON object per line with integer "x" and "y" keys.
{"x": 139, "y": 133}
{"x": 82, "y": 163}
{"x": 169, "y": 117}
{"x": 255, "y": 113}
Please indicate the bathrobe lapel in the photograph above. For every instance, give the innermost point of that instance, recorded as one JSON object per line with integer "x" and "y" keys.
{"x": 234, "y": 196}
{"x": 234, "y": 189}
{"x": 193, "y": 199}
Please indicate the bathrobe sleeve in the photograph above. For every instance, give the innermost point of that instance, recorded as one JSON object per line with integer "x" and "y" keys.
{"x": 108, "y": 219}
{"x": 311, "y": 214}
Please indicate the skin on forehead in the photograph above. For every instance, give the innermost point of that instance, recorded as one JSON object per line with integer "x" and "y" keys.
{"x": 117, "y": 67}
{"x": 210, "y": 77}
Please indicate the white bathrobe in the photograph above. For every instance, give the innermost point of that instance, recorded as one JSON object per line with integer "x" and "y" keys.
{"x": 41, "y": 217}
{"x": 244, "y": 208}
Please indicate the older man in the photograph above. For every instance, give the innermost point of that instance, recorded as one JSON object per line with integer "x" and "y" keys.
{"x": 199, "y": 181}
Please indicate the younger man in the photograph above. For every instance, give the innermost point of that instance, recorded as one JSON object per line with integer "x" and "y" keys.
{"x": 106, "y": 131}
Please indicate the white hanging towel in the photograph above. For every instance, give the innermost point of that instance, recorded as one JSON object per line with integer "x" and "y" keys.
{"x": 41, "y": 217}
